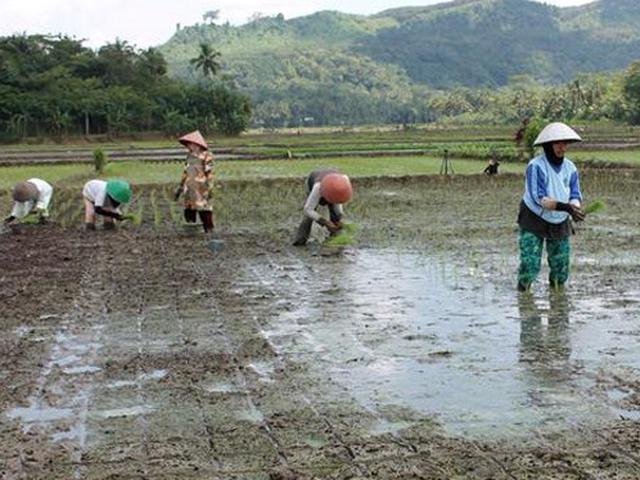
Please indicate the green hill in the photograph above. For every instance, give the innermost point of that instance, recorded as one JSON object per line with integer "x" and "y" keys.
{"x": 332, "y": 66}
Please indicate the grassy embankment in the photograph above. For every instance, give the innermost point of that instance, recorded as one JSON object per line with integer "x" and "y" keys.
{"x": 145, "y": 173}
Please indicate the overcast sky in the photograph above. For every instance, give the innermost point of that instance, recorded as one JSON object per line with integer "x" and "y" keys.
{"x": 151, "y": 22}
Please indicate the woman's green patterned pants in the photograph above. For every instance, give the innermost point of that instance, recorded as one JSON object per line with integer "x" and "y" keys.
{"x": 558, "y": 254}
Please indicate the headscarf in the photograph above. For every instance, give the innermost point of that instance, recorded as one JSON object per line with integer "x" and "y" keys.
{"x": 551, "y": 155}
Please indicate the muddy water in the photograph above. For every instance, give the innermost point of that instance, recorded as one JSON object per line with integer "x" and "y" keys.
{"x": 142, "y": 354}
{"x": 421, "y": 332}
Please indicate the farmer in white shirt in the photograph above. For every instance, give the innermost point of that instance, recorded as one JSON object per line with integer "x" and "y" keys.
{"x": 31, "y": 197}
{"x": 104, "y": 198}
{"x": 324, "y": 187}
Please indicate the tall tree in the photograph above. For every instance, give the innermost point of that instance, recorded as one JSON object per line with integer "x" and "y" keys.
{"x": 211, "y": 15}
{"x": 207, "y": 60}
{"x": 632, "y": 92}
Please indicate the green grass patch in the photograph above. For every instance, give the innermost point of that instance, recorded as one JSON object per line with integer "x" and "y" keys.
{"x": 355, "y": 167}
{"x": 64, "y": 175}
{"x": 140, "y": 173}
{"x": 628, "y": 157}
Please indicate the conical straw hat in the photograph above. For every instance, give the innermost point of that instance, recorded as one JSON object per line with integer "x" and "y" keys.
{"x": 194, "y": 137}
{"x": 557, "y": 132}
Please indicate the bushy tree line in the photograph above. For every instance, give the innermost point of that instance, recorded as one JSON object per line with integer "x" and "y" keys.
{"x": 54, "y": 86}
{"x": 609, "y": 97}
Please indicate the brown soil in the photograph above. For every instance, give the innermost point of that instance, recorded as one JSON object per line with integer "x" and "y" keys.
{"x": 175, "y": 393}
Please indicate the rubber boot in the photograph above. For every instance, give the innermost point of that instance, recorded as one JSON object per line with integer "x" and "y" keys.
{"x": 304, "y": 231}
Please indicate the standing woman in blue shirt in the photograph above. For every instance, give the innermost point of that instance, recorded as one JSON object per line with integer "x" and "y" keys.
{"x": 552, "y": 197}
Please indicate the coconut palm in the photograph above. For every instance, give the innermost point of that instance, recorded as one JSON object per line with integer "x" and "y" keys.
{"x": 207, "y": 60}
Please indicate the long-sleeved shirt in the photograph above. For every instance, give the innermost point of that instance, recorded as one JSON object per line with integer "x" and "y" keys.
{"x": 313, "y": 200}
{"x": 558, "y": 182}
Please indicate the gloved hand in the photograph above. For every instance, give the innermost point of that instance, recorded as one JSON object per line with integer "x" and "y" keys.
{"x": 328, "y": 225}
{"x": 576, "y": 212}
{"x": 176, "y": 195}
{"x": 9, "y": 219}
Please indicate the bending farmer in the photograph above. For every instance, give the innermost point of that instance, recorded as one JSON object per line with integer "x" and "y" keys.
{"x": 492, "y": 167}
{"x": 197, "y": 181}
{"x": 551, "y": 199}
{"x": 324, "y": 187}
{"x": 104, "y": 198}
{"x": 31, "y": 197}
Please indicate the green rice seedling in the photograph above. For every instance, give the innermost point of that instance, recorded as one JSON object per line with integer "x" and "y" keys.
{"x": 30, "y": 219}
{"x": 595, "y": 207}
{"x": 62, "y": 211}
{"x": 157, "y": 214}
{"x": 172, "y": 205}
{"x": 344, "y": 237}
{"x": 136, "y": 217}
{"x": 136, "y": 210}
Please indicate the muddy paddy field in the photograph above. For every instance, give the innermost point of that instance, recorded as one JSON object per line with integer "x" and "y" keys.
{"x": 141, "y": 354}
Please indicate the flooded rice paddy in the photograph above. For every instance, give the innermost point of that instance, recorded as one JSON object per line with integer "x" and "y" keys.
{"x": 143, "y": 354}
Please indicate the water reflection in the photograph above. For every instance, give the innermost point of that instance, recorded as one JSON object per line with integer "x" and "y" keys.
{"x": 545, "y": 345}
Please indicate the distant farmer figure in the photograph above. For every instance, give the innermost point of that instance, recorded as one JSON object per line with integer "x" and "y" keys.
{"x": 551, "y": 197}
{"x": 104, "y": 198}
{"x": 31, "y": 197}
{"x": 324, "y": 187}
{"x": 196, "y": 184}
{"x": 492, "y": 168}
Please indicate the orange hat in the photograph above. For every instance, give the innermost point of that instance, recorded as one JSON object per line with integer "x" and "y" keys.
{"x": 195, "y": 138}
{"x": 336, "y": 188}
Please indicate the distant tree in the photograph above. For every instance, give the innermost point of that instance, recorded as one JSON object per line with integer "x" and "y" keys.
{"x": 231, "y": 110}
{"x": 115, "y": 63}
{"x": 152, "y": 63}
{"x": 632, "y": 92}
{"x": 256, "y": 16}
{"x": 211, "y": 15}
{"x": 531, "y": 132}
{"x": 207, "y": 60}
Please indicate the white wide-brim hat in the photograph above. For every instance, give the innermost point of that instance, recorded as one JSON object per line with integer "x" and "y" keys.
{"x": 557, "y": 132}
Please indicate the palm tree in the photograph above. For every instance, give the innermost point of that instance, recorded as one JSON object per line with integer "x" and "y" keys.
{"x": 207, "y": 60}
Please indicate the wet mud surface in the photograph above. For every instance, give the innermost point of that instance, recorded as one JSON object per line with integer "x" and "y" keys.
{"x": 142, "y": 354}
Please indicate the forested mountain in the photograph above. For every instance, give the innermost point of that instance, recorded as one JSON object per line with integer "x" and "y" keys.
{"x": 336, "y": 67}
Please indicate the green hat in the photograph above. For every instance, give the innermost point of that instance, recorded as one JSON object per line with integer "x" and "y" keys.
{"x": 119, "y": 190}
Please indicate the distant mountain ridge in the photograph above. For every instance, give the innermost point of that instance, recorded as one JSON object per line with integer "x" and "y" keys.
{"x": 391, "y": 55}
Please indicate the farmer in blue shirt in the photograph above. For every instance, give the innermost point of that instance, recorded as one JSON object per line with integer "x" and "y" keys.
{"x": 552, "y": 197}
